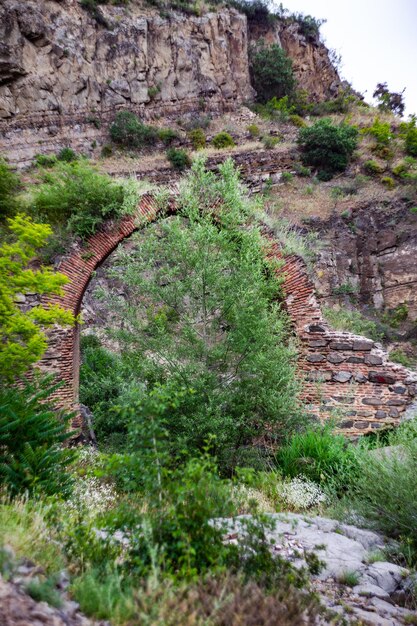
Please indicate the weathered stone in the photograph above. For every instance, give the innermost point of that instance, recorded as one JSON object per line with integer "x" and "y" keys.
{"x": 342, "y": 377}
{"x": 346, "y": 424}
{"x": 335, "y": 358}
{"x": 373, "y": 401}
{"x": 317, "y": 343}
{"x": 319, "y": 375}
{"x": 385, "y": 575}
{"x": 361, "y": 425}
{"x": 393, "y": 412}
{"x": 316, "y": 358}
{"x": 360, "y": 378}
{"x": 380, "y": 414}
{"x": 397, "y": 402}
{"x": 399, "y": 389}
{"x": 372, "y": 359}
{"x": 340, "y": 345}
{"x": 369, "y": 591}
{"x": 376, "y": 425}
{"x": 364, "y": 413}
{"x": 316, "y": 328}
{"x": 364, "y": 345}
{"x": 355, "y": 359}
{"x": 381, "y": 378}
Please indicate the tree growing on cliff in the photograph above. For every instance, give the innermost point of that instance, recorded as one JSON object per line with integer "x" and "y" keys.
{"x": 328, "y": 146}
{"x": 271, "y": 71}
{"x": 23, "y": 340}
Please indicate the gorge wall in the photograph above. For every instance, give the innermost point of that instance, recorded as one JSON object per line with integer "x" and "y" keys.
{"x": 64, "y": 73}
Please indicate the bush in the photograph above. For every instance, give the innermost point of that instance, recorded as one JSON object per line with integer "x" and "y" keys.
{"x": 223, "y": 140}
{"x": 286, "y": 177}
{"x": 45, "y": 160}
{"x": 327, "y": 146}
{"x": 319, "y": 455}
{"x": 297, "y": 120}
{"x": 399, "y": 356}
{"x": 67, "y": 155}
{"x": 372, "y": 167}
{"x": 354, "y": 322}
{"x": 381, "y": 131}
{"x": 197, "y": 138}
{"x": 128, "y": 131}
{"x": 9, "y": 184}
{"x": 411, "y": 138}
{"x": 391, "y": 510}
{"x": 271, "y": 71}
{"x": 253, "y": 130}
{"x": 78, "y": 195}
{"x": 269, "y": 142}
{"x": 389, "y": 100}
{"x": 167, "y": 135}
{"x": 388, "y": 182}
{"x": 178, "y": 158}
{"x": 31, "y": 434}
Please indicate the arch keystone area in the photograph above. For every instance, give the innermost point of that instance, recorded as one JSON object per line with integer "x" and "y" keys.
{"x": 344, "y": 376}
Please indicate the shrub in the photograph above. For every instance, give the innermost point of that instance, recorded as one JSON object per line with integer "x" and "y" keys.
{"x": 44, "y": 591}
{"x": 269, "y": 142}
{"x": 197, "y": 138}
{"x": 23, "y": 340}
{"x": 372, "y": 167}
{"x": 388, "y": 182}
{"x": 167, "y": 135}
{"x": 78, "y": 195}
{"x": 67, "y": 155}
{"x": 178, "y": 158}
{"x": 300, "y": 494}
{"x": 327, "y": 146}
{"x": 45, "y": 160}
{"x": 106, "y": 151}
{"x": 411, "y": 138}
{"x": 388, "y": 100}
{"x": 253, "y": 130}
{"x": 31, "y": 434}
{"x": 222, "y": 140}
{"x": 381, "y": 131}
{"x": 286, "y": 177}
{"x": 104, "y": 595}
{"x": 197, "y": 121}
{"x": 399, "y": 356}
{"x": 271, "y": 71}
{"x": 319, "y": 455}
{"x": 9, "y": 184}
{"x": 128, "y": 131}
{"x": 352, "y": 321}
{"x": 297, "y": 120}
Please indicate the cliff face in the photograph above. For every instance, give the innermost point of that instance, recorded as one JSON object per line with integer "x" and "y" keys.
{"x": 64, "y": 73}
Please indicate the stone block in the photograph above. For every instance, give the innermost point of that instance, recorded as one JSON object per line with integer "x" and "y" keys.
{"x": 381, "y": 378}
{"x": 373, "y": 359}
{"x": 342, "y": 377}
{"x": 380, "y": 415}
{"x": 360, "y": 378}
{"x": 355, "y": 359}
{"x": 364, "y": 345}
{"x": 373, "y": 401}
{"x": 398, "y": 389}
{"x": 397, "y": 402}
{"x": 364, "y": 413}
{"x": 376, "y": 425}
{"x": 393, "y": 412}
{"x": 319, "y": 376}
{"x": 340, "y": 345}
{"x": 335, "y": 358}
{"x": 317, "y": 343}
{"x": 316, "y": 358}
{"x": 361, "y": 425}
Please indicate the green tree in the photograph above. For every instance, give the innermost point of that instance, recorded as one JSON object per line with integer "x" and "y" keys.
{"x": 202, "y": 318}
{"x": 23, "y": 341}
{"x": 271, "y": 71}
{"x": 327, "y": 146}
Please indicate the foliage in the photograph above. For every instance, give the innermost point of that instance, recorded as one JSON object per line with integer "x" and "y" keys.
{"x": 353, "y": 321}
{"x": 297, "y": 120}
{"x": 399, "y": 356}
{"x": 79, "y": 196}
{"x": 301, "y": 494}
{"x": 395, "y": 317}
{"x": 271, "y": 71}
{"x": 167, "y": 135}
{"x": 349, "y": 578}
{"x": 381, "y": 131}
{"x": 409, "y": 131}
{"x": 222, "y": 140}
{"x": 178, "y": 158}
{"x": 372, "y": 167}
{"x": 189, "y": 303}
{"x": 388, "y": 182}
{"x": 391, "y": 510}
{"x": 196, "y": 121}
{"x": 44, "y": 591}
{"x": 269, "y": 142}
{"x": 197, "y": 138}
{"x": 45, "y": 160}
{"x": 31, "y": 434}
{"x": 9, "y": 185}
{"x": 327, "y": 146}
{"x": 286, "y": 177}
{"x": 23, "y": 340}
{"x": 319, "y": 455}
{"x": 128, "y": 131}
{"x": 389, "y": 100}
{"x": 67, "y": 155}
{"x": 104, "y": 595}
{"x": 253, "y": 130}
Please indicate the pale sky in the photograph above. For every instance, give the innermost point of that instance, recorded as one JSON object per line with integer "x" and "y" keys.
{"x": 376, "y": 38}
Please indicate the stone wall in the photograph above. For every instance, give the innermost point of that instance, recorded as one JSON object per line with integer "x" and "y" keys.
{"x": 343, "y": 375}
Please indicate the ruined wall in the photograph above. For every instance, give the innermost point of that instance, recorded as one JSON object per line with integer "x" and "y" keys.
{"x": 63, "y": 74}
{"x": 343, "y": 375}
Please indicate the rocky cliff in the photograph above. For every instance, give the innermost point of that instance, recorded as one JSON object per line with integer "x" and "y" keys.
{"x": 64, "y": 71}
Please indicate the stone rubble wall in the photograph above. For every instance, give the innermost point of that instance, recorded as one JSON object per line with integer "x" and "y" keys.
{"x": 343, "y": 375}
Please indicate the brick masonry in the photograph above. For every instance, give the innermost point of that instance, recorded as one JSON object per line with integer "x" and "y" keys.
{"x": 344, "y": 376}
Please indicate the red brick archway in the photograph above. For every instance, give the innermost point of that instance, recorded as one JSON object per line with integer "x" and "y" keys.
{"x": 344, "y": 375}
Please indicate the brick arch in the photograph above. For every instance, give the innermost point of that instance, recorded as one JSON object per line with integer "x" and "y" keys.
{"x": 343, "y": 375}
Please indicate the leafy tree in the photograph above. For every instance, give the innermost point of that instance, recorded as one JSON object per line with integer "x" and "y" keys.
{"x": 389, "y": 100}
{"x": 271, "y": 71}
{"x": 201, "y": 318}
{"x": 23, "y": 341}
{"x": 328, "y": 146}
{"x": 128, "y": 131}
{"x": 31, "y": 434}
{"x": 9, "y": 183}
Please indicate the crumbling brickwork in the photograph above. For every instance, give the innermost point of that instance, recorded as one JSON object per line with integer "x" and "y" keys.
{"x": 344, "y": 376}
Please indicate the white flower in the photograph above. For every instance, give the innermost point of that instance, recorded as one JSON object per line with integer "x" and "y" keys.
{"x": 301, "y": 493}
